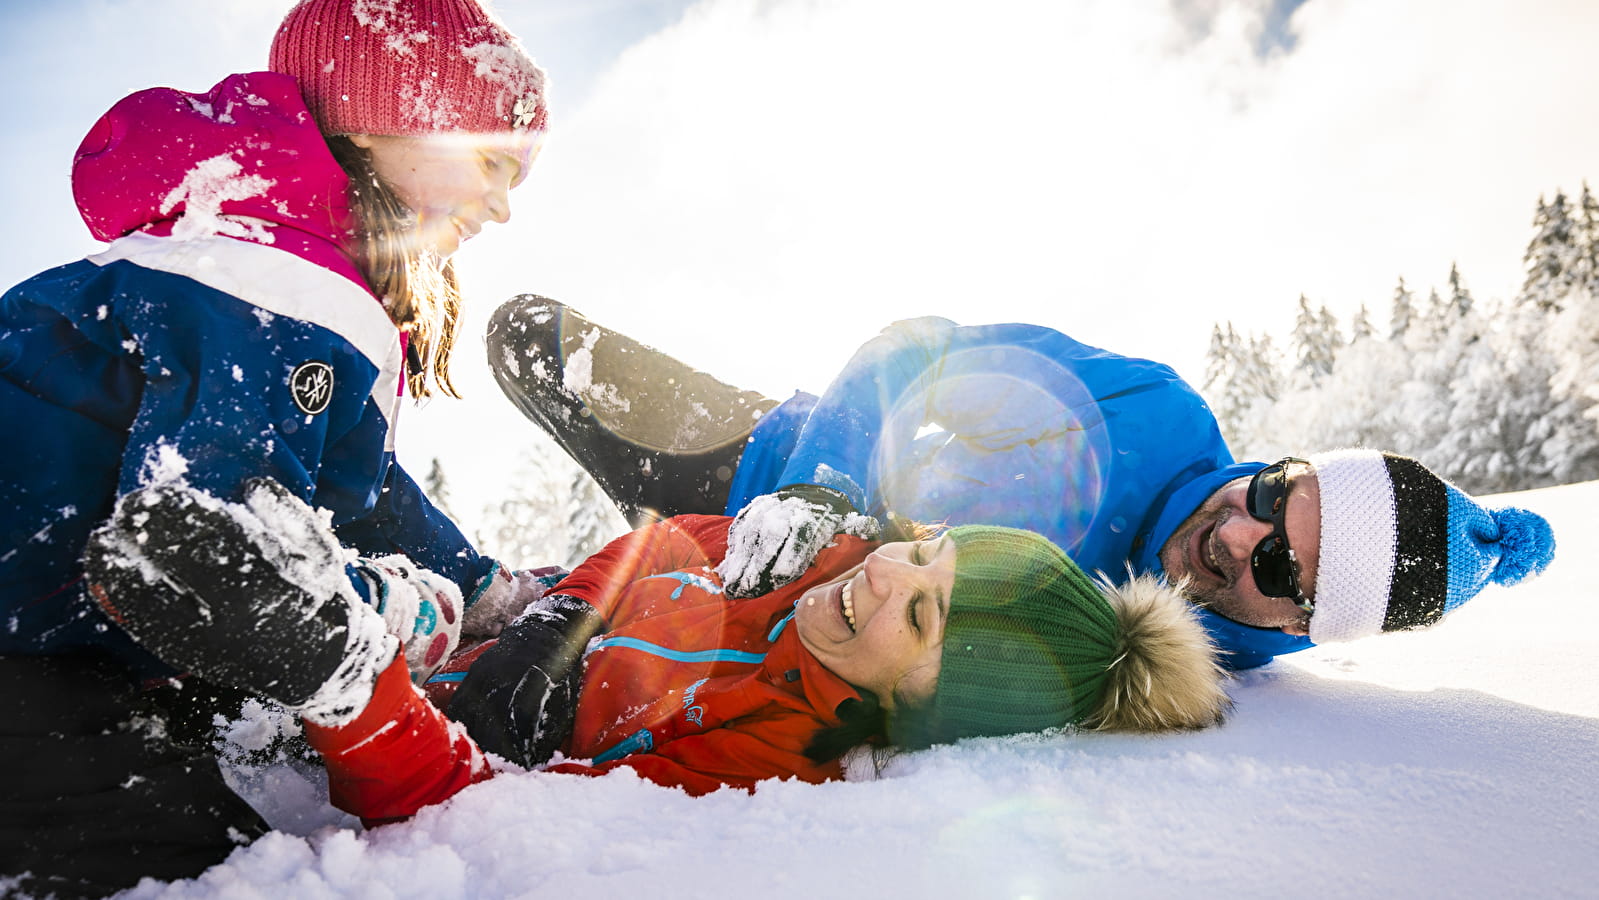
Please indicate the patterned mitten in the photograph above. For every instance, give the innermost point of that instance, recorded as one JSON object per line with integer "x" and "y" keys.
{"x": 422, "y": 609}
{"x": 502, "y": 595}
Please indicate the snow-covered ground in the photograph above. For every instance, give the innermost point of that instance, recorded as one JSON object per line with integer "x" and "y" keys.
{"x": 1458, "y": 762}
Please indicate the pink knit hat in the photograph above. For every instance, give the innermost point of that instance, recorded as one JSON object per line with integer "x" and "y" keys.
{"x": 409, "y": 67}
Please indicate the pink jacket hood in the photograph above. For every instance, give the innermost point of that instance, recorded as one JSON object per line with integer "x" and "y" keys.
{"x": 245, "y": 160}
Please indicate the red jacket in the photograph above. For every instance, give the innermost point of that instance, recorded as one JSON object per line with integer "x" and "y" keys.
{"x": 688, "y": 688}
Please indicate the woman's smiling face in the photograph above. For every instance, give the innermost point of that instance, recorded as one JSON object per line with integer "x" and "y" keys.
{"x": 881, "y": 625}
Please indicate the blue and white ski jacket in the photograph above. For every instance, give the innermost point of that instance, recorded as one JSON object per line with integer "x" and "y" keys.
{"x": 1014, "y": 425}
{"x": 245, "y": 345}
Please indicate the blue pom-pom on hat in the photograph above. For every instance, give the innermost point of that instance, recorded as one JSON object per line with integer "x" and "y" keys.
{"x": 1526, "y": 545}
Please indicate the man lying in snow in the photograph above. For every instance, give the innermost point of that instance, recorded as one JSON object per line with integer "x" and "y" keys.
{"x": 977, "y": 631}
{"x": 1117, "y": 460}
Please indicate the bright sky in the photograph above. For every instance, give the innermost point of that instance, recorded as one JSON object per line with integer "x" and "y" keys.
{"x": 759, "y": 187}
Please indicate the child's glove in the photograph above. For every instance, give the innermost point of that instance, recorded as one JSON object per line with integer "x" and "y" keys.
{"x": 519, "y": 698}
{"x": 253, "y": 595}
{"x": 775, "y": 538}
{"x": 420, "y": 608}
{"x": 501, "y": 596}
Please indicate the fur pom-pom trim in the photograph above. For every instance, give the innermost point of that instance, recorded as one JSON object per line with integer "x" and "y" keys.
{"x": 1166, "y": 676}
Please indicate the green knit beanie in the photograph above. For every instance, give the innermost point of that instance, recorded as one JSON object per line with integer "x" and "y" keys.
{"x": 1026, "y": 647}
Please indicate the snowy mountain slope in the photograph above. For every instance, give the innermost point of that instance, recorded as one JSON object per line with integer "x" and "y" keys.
{"x": 1462, "y": 762}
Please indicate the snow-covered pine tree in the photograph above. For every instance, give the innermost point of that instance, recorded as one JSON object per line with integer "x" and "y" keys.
{"x": 1221, "y": 388}
{"x": 1479, "y": 394}
{"x": 1403, "y": 312}
{"x": 1219, "y": 359}
{"x": 1419, "y": 402}
{"x": 1261, "y": 368}
{"x": 1258, "y": 387}
{"x": 591, "y": 519}
{"x": 1584, "y": 274}
{"x": 1361, "y": 328}
{"x": 1460, "y": 299}
{"x": 527, "y": 526}
{"x": 1570, "y": 448}
{"x": 550, "y": 512}
{"x": 1316, "y": 340}
{"x": 1482, "y": 449}
{"x": 437, "y": 487}
{"x": 1550, "y": 254}
{"x": 1430, "y": 324}
{"x": 1555, "y": 315}
{"x": 1574, "y": 447}
{"x": 1331, "y": 335}
{"x": 1351, "y": 406}
{"x": 1243, "y": 379}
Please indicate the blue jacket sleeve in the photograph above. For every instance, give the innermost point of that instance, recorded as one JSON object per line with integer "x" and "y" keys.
{"x": 997, "y": 389}
{"x": 840, "y": 438}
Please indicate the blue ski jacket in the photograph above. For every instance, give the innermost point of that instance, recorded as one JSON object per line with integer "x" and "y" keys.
{"x": 1014, "y": 425}
{"x": 224, "y": 334}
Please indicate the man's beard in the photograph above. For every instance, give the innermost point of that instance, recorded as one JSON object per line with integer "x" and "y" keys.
{"x": 1174, "y": 557}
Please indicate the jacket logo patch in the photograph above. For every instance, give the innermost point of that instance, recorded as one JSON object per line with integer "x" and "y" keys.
{"x": 692, "y": 712}
{"x": 312, "y": 386}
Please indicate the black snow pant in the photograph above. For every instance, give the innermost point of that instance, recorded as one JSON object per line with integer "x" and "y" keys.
{"x": 95, "y": 792}
{"x": 661, "y": 438}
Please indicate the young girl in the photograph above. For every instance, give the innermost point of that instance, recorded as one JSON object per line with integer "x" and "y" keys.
{"x": 277, "y": 280}
{"x": 978, "y": 631}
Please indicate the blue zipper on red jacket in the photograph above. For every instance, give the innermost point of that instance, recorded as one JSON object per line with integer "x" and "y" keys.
{"x": 717, "y": 655}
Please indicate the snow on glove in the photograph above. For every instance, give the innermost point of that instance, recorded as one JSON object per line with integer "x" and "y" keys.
{"x": 775, "y": 538}
{"x": 253, "y": 595}
{"x": 520, "y": 697}
{"x": 419, "y": 607}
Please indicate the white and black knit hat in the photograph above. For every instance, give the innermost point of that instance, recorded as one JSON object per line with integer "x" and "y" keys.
{"x": 1400, "y": 547}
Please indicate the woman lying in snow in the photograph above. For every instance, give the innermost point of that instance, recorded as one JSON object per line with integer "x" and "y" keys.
{"x": 978, "y": 631}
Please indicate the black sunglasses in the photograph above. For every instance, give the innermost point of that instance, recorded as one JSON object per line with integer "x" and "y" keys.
{"x": 1272, "y": 564}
